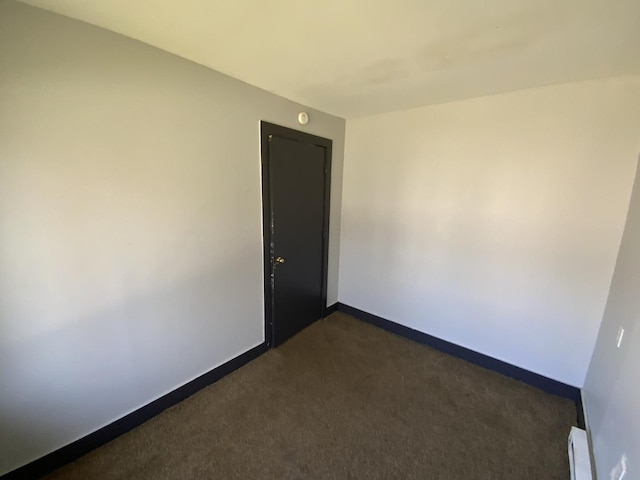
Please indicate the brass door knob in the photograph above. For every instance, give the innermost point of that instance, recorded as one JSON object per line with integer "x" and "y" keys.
{"x": 278, "y": 260}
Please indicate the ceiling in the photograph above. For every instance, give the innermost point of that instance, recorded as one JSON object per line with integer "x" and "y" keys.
{"x": 359, "y": 57}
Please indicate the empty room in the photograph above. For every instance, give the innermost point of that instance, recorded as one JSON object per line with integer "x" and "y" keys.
{"x": 319, "y": 240}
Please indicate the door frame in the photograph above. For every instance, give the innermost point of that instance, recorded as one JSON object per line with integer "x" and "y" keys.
{"x": 268, "y": 130}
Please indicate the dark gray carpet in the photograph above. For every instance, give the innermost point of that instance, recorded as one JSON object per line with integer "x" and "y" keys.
{"x": 341, "y": 400}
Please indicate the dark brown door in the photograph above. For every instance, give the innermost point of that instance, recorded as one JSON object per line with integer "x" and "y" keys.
{"x": 296, "y": 170}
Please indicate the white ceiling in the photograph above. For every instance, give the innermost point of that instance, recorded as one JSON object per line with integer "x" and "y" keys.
{"x": 358, "y": 57}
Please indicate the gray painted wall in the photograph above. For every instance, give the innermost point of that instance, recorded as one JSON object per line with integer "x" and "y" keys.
{"x": 612, "y": 389}
{"x": 494, "y": 223}
{"x": 130, "y": 224}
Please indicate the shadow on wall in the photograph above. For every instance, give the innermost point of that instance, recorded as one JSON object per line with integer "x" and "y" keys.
{"x": 64, "y": 384}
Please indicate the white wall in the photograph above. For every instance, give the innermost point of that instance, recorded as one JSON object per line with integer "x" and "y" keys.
{"x": 612, "y": 391}
{"x": 130, "y": 225}
{"x": 493, "y": 223}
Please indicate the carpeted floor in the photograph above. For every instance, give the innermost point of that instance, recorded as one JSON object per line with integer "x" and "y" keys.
{"x": 346, "y": 400}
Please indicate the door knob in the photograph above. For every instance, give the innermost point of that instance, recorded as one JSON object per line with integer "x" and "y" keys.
{"x": 278, "y": 260}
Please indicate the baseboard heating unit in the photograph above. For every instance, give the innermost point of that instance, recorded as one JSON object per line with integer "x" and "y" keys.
{"x": 579, "y": 461}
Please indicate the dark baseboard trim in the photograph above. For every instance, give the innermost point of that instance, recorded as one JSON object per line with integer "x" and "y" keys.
{"x": 74, "y": 450}
{"x": 547, "y": 384}
{"x": 330, "y": 309}
{"x": 80, "y": 447}
{"x": 580, "y": 412}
